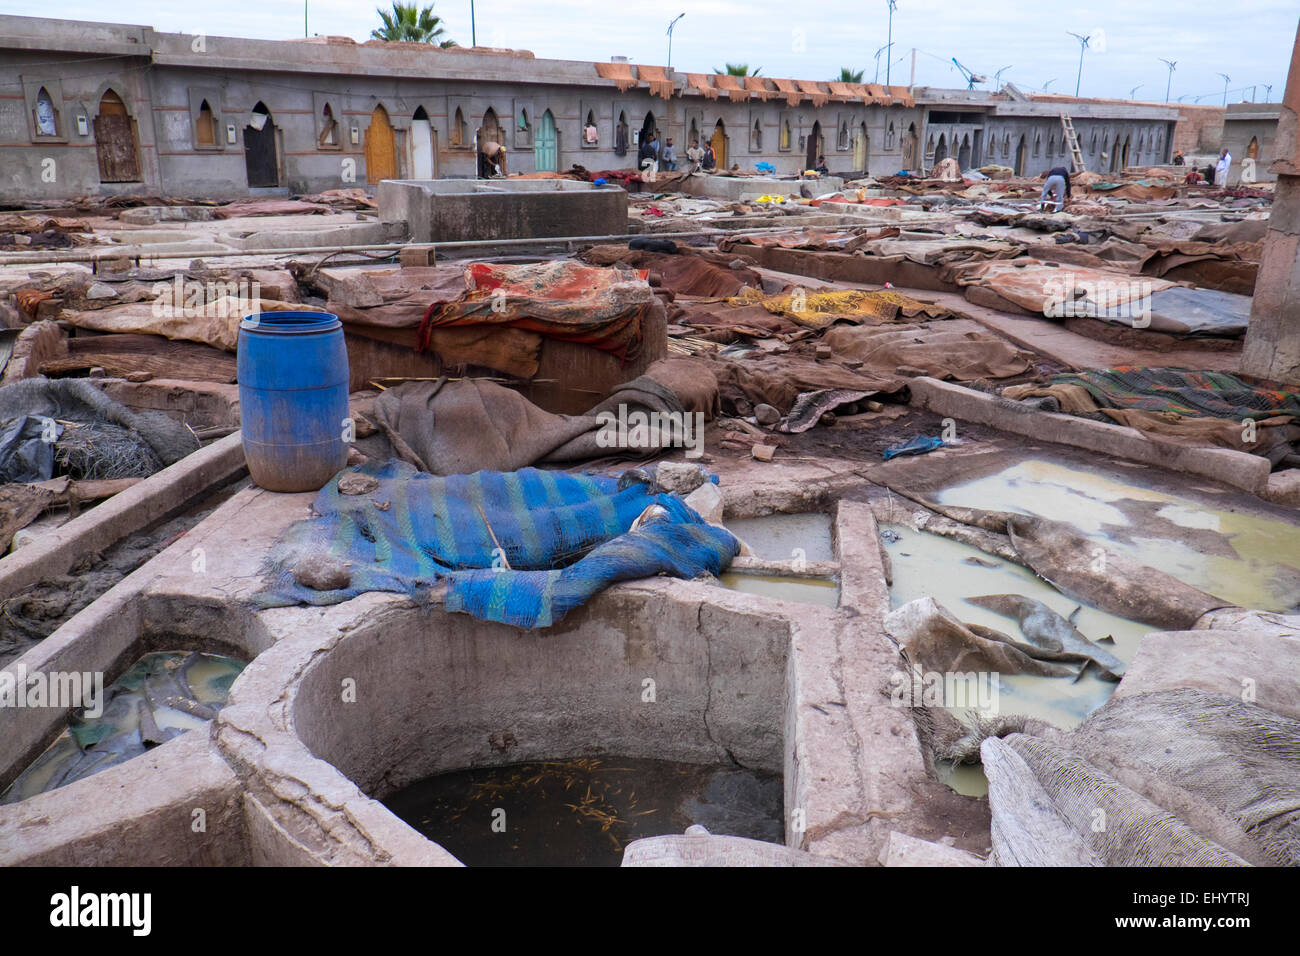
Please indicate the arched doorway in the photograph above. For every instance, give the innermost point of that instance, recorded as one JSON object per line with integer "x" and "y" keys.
{"x": 546, "y": 147}
{"x": 1252, "y": 149}
{"x": 649, "y": 129}
{"x": 910, "y": 143}
{"x": 1021, "y": 149}
{"x": 860, "y": 157}
{"x": 814, "y": 149}
{"x": 621, "y": 135}
{"x": 259, "y": 149}
{"x": 1114, "y": 156}
{"x": 381, "y": 148}
{"x": 719, "y": 144}
{"x": 1123, "y": 155}
{"x": 422, "y": 151}
{"x": 490, "y": 131}
{"x": 963, "y": 153}
{"x": 941, "y": 150}
{"x": 115, "y": 141}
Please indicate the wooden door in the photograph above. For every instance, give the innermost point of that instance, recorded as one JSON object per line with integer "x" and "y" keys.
{"x": 115, "y": 142}
{"x": 546, "y": 145}
{"x": 259, "y": 155}
{"x": 381, "y": 148}
{"x": 719, "y": 144}
{"x": 860, "y": 150}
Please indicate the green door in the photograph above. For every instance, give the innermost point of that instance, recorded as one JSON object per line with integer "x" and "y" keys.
{"x": 546, "y": 145}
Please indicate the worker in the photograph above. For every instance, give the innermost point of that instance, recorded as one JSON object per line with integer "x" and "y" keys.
{"x": 694, "y": 156}
{"x": 822, "y": 166}
{"x": 1221, "y": 169}
{"x": 491, "y": 160}
{"x": 669, "y": 156}
{"x": 1057, "y": 186}
{"x": 648, "y": 156}
{"x": 1178, "y": 158}
{"x": 710, "y": 162}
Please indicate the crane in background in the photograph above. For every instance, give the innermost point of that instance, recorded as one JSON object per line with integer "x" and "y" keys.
{"x": 971, "y": 78}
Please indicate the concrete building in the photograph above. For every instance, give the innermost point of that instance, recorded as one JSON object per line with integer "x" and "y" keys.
{"x": 1249, "y": 131}
{"x": 110, "y": 108}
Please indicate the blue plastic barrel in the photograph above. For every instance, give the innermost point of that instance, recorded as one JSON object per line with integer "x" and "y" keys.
{"x": 293, "y": 397}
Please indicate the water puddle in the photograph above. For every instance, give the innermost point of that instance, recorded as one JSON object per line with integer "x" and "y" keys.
{"x": 1249, "y": 559}
{"x": 163, "y": 695}
{"x": 783, "y": 537}
{"x": 584, "y": 812}
{"x": 821, "y": 591}
{"x": 928, "y": 565}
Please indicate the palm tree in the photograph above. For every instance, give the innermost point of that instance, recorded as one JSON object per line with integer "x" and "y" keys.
{"x": 738, "y": 69}
{"x": 410, "y": 24}
{"x": 850, "y": 76}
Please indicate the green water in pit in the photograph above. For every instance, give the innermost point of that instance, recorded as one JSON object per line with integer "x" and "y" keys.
{"x": 779, "y": 537}
{"x": 1248, "y": 559}
{"x": 584, "y": 812}
{"x": 786, "y": 537}
{"x": 1245, "y": 558}
{"x": 822, "y": 591}
{"x": 161, "y": 685}
{"x": 928, "y": 565}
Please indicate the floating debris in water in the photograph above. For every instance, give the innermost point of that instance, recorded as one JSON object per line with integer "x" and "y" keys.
{"x": 583, "y": 812}
{"x": 163, "y": 695}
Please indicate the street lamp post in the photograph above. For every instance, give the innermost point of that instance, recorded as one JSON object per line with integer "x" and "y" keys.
{"x": 473, "y": 35}
{"x": 997, "y": 78}
{"x": 889, "y": 40}
{"x": 1169, "y": 82}
{"x": 1226, "y": 80}
{"x": 670, "y": 38}
{"x": 1134, "y": 90}
{"x": 1083, "y": 45}
{"x": 1048, "y": 83}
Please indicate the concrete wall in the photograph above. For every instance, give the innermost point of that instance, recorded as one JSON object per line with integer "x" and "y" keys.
{"x": 449, "y": 210}
{"x": 164, "y": 79}
{"x": 1251, "y": 121}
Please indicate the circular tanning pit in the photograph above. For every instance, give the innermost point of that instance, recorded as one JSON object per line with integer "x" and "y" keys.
{"x": 644, "y": 676}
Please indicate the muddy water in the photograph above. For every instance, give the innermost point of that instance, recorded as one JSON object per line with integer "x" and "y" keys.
{"x": 1249, "y": 559}
{"x": 927, "y": 565}
{"x": 584, "y": 812}
{"x": 784, "y": 537}
{"x": 158, "y": 685}
{"x": 822, "y": 591}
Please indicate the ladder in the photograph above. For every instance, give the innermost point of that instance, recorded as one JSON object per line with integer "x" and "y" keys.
{"x": 1072, "y": 140}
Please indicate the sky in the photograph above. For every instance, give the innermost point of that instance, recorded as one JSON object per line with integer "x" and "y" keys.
{"x": 1029, "y": 38}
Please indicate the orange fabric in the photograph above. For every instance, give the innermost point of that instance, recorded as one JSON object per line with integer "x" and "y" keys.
{"x": 792, "y": 94}
{"x": 732, "y": 84}
{"x": 879, "y": 94}
{"x": 901, "y": 96}
{"x": 657, "y": 79}
{"x": 849, "y": 91}
{"x": 702, "y": 82}
{"x": 757, "y": 86}
{"x": 620, "y": 73}
{"x": 816, "y": 92}
{"x": 559, "y": 299}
